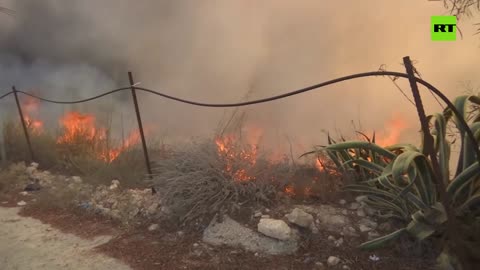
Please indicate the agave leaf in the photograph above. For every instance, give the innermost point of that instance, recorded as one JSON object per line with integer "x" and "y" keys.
{"x": 366, "y": 164}
{"x": 402, "y": 147}
{"x": 466, "y": 175}
{"x": 472, "y": 202}
{"x": 382, "y": 241}
{"x": 441, "y": 145}
{"x": 420, "y": 230}
{"x": 362, "y": 145}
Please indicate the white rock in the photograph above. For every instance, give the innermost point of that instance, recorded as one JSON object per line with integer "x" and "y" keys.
{"x": 77, "y": 179}
{"x": 364, "y": 228}
{"x": 332, "y": 261}
{"x": 319, "y": 265}
{"x": 354, "y": 206}
{"x": 361, "y": 213}
{"x": 265, "y": 216}
{"x": 342, "y": 202}
{"x": 257, "y": 214}
{"x": 344, "y": 212}
{"x": 34, "y": 165}
{"x": 314, "y": 228}
{"x": 339, "y": 242}
{"x": 346, "y": 267}
{"x": 331, "y": 238}
{"x": 300, "y": 218}
{"x": 275, "y": 228}
{"x": 24, "y": 193}
{"x": 368, "y": 222}
{"x": 21, "y": 203}
{"x": 153, "y": 227}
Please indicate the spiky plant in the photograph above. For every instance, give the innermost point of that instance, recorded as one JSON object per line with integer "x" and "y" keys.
{"x": 399, "y": 182}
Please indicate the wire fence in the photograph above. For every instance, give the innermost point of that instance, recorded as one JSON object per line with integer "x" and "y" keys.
{"x": 410, "y": 75}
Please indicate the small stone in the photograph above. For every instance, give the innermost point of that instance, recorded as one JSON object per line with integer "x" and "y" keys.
{"x": 343, "y": 202}
{"x": 331, "y": 238}
{"x": 257, "y": 214}
{"x": 319, "y": 265}
{"x": 21, "y": 203}
{"x": 275, "y": 228}
{"x": 34, "y": 165}
{"x": 346, "y": 267}
{"x": 195, "y": 245}
{"x": 364, "y": 228}
{"x": 114, "y": 185}
{"x": 332, "y": 261}
{"x": 354, "y": 206}
{"x": 265, "y": 216}
{"x": 350, "y": 231}
{"x": 300, "y": 218}
{"x": 77, "y": 179}
{"x": 368, "y": 222}
{"x": 344, "y": 212}
{"x": 23, "y": 193}
{"x": 153, "y": 227}
{"x": 180, "y": 233}
{"x": 314, "y": 228}
{"x": 361, "y": 213}
{"x": 339, "y": 242}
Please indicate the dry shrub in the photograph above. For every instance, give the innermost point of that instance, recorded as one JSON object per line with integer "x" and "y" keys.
{"x": 193, "y": 181}
{"x": 11, "y": 177}
{"x": 16, "y": 147}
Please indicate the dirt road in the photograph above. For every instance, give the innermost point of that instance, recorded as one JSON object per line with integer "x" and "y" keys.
{"x": 28, "y": 244}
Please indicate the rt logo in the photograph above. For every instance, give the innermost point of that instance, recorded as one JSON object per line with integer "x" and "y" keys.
{"x": 443, "y": 28}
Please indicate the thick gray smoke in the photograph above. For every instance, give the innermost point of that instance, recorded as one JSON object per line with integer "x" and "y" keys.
{"x": 224, "y": 51}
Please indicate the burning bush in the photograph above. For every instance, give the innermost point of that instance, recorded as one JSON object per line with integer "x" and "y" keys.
{"x": 203, "y": 178}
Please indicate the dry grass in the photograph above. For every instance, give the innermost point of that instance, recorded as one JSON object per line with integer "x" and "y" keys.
{"x": 78, "y": 157}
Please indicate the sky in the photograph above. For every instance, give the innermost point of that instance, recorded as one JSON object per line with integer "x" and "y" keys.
{"x": 228, "y": 51}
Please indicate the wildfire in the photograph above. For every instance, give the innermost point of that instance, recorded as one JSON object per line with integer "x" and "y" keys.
{"x": 289, "y": 190}
{"x": 233, "y": 153}
{"x": 30, "y": 107}
{"x": 77, "y": 126}
{"x": 393, "y": 130}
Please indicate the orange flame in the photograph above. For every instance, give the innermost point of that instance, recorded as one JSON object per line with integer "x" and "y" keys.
{"x": 229, "y": 149}
{"x": 393, "y": 130}
{"x": 30, "y": 106}
{"x": 77, "y": 125}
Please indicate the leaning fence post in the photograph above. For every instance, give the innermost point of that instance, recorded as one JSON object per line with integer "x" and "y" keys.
{"x": 24, "y": 125}
{"x": 140, "y": 126}
{"x": 429, "y": 150}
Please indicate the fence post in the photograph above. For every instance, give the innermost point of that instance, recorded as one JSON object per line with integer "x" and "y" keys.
{"x": 140, "y": 127}
{"x": 429, "y": 150}
{"x": 3, "y": 151}
{"x": 24, "y": 125}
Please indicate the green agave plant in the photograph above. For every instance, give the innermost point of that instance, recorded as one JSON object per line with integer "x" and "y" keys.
{"x": 398, "y": 180}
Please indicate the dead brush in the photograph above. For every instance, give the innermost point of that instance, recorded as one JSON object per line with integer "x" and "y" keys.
{"x": 194, "y": 182}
